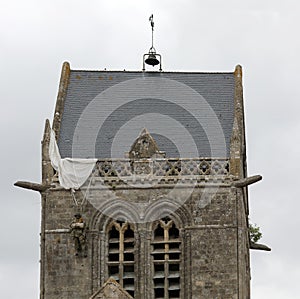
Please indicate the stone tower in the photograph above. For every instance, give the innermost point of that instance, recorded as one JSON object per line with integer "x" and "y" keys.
{"x": 145, "y": 194}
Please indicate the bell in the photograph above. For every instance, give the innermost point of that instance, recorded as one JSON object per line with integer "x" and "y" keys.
{"x": 152, "y": 60}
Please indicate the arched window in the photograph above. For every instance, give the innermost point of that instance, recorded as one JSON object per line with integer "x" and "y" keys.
{"x": 121, "y": 248}
{"x": 166, "y": 258}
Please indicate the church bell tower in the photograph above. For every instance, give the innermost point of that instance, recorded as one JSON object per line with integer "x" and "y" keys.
{"x": 144, "y": 186}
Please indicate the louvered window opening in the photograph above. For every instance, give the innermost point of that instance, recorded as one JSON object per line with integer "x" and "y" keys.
{"x": 166, "y": 254}
{"x": 121, "y": 255}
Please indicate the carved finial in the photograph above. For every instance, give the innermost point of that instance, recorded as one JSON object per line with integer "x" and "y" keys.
{"x": 144, "y": 146}
{"x": 238, "y": 71}
{"x": 47, "y": 170}
{"x": 63, "y": 85}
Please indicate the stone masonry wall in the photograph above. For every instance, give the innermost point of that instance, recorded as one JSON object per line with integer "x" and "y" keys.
{"x": 65, "y": 275}
{"x": 212, "y": 258}
{"x": 214, "y": 248}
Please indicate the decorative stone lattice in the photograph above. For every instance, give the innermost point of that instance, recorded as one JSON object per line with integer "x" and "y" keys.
{"x": 161, "y": 167}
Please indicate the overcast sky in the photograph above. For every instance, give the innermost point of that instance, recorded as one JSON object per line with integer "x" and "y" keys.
{"x": 192, "y": 35}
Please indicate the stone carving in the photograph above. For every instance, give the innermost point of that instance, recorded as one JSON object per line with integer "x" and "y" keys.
{"x": 144, "y": 147}
{"x": 111, "y": 290}
{"x": 166, "y": 167}
{"x": 78, "y": 232}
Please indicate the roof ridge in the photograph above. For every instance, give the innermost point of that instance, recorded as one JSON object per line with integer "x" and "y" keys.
{"x": 158, "y": 72}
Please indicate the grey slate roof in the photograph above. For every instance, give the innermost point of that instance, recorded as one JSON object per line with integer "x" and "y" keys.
{"x": 105, "y": 111}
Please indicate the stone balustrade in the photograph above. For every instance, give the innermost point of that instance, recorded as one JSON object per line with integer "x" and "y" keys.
{"x": 161, "y": 167}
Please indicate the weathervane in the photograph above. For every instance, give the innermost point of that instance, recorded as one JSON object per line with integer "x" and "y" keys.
{"x": 151, "y": 55}
{"x": 152, "y": 26}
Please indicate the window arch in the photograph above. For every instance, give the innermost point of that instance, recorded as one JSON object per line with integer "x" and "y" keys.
{"x": 121, "y": 259}
{"x": 166, "y": 259}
